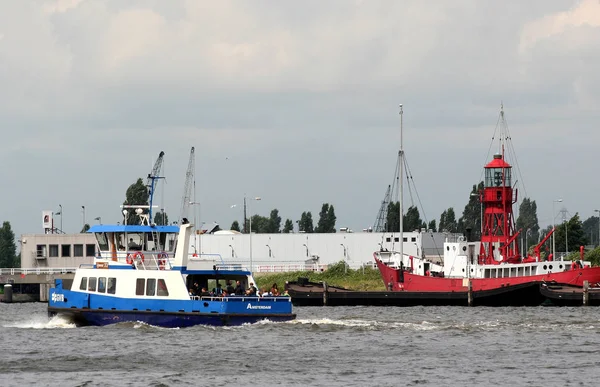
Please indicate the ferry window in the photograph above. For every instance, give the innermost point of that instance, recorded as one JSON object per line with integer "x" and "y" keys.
{"x": 53, "y": 251}
{"x": 78, "y": 250}
{"x": 413, "y": 239}
{"x": 102, "y": 285}
{"x": 90, "y": 250}
{"x": 405, "y": 239}
{"x": 102, "y": 241}
{"x": 112, "y": 285}
{"x": 135, "y": 241}
{"x": 40, "y": 251}
{"x": 388, "y": 239}
{"x": 139, "y": 286}
{"x": 65, "y": 250}
{"x": 162, "y": 288}
{"x": 92, "y": 284}
{"x": 396, "y": 239}
{"x": 151, "y": 287}
{"x": 83, "y": 284}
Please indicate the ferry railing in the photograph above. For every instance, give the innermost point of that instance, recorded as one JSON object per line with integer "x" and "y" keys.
{"x": 242, "y": 298}
{"x": 37, "y": 270}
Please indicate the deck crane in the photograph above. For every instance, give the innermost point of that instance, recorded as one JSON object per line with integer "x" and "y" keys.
{"x": 187, "y": 189}
{"x": 151, "y": 183}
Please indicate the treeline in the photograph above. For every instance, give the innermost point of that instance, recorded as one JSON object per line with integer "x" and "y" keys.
{"x": 272, "y": 224}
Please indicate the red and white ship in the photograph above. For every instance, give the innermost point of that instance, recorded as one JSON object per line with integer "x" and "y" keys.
{"x": 495, "y": 262}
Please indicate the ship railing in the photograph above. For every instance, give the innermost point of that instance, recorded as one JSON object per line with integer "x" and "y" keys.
{"x": 282, "y": 268}
{"x": 37, "y": 270}
{"x": 234, "y": 298}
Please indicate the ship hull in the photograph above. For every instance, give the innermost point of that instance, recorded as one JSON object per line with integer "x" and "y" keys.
{"x": 407, "y": 282}
{"x": 87, "y": 317}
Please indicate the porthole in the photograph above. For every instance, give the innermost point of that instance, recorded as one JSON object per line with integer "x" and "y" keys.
{"x": 464, "y": 248}
{"x": 545, "y": 267}
{"x": 560, "y": 266}
{"x": 463, "y": 270}
{"x": 448, "y": 248}
{"x": 550, "y": 267}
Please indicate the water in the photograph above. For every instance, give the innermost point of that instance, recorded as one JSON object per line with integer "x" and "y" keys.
{"x": 341, "y": 346}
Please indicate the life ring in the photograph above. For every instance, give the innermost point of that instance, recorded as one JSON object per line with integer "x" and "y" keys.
{"x": 195, "y": 255}
{"x": 161, "y": 264}
{"x": 129, "y": 259}
{"x": 162, "y": 255}
{"x": 138, "y": 256}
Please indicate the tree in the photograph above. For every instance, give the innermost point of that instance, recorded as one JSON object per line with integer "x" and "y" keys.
{"x": 274, "y": 223}
{"x": 327, "y": 219}
{"x": 260, "y": 224}
{"x": 412, "y": 220}
{"x": 527, "y": 221}
{"x": 590, "y": 228}
{"x": 161, "y": 218}
{"x": 393, "y": 217}
{"x": 288, "y": 226}
{"x": 306, "y": 223}
{"x": 8, "y": 249}
{"x": 448, "y": 221}
{"x": 235, "y": 226}
{"x": 137, "y": 194}
{"x": 431, "y": 225}
{"x": 573, "y": 229}
{"x": 471, "y": 216}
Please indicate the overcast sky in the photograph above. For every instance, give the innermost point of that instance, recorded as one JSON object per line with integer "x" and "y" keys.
{"x": 295, "y": 102}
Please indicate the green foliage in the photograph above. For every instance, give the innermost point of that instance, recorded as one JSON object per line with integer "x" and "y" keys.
{"x": 448, "y": 221}
{"x": 260, "y": 224}
{"x": 288, "y": 226}
{"x": 575, "y": 235}
{"x": 593, "y": 256}
{"x": 327, "y": 219}
{"x": 137, "y": 194}
{"x": 306, "y": 223}
{"x": 590, "y": 227}
{"x": 235, "y": 226}
{"x": 336, "y": 275}
{"x": 161, "y": 218}
{"x": 412, "y": 220}
{"x": 8, "y": 249}
{"x": 274, "y": 224}
{"x": 471, "y": 216}
{"x": 431, "y": 226}
{"x": 393, "y": 217}
{"x": 528, "y": 220}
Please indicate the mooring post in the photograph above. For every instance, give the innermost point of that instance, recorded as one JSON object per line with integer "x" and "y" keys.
{"x": 470, "y": 294}
{"x": 586, "y": 293}
{"x": 324, "y": 293}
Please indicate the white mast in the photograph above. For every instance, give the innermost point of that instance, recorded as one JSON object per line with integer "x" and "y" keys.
{"x": 400, "y": 190}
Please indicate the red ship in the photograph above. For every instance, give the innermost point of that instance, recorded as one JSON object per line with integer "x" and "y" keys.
{"x": 495, "y": 262}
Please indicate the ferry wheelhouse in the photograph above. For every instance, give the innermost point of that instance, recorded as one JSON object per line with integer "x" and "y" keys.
{"x": 145, "y": 273}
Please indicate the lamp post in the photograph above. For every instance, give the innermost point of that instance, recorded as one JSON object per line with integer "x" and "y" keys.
{"x": 198, "y": 235}
{"x": 566, "y": 238}
{"x": 232, "y": 251}
{"x": 554, "y": 235}
{"x": 83, "y": 212}
{"x": 99, "y": 219}
{"x": 269, "y": 247}
{"x": 598, "y": 211}
{"x": 257, "y": 198}
{"x": 60, "y": 212}
{"x": 304, "y": 244}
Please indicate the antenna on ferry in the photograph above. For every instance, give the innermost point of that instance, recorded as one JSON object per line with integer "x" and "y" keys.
{"x": 400, "y": 186}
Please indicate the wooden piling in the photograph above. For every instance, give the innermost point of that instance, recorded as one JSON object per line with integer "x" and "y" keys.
{"x": 325, "y": 293}
{"x": 470, "y": 294}
{"x": 586, "y": 293}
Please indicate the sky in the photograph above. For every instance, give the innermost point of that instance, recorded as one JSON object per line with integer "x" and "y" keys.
{"x": 293, "y": 102}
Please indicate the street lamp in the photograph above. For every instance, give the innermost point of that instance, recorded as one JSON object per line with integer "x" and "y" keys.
{"x": 232, "y": 251}
{"x": 598, "y": 211}
{"x": 83, "y": 211}
{"x": 257, "y": 199}
{"x": 269, "y": 247}
{"x": 99, "y": 219}
{"x": 196, "y": 225}
{"x": 60, "y": 212}
{"x": 304, "y": 244}
{"x": 553, "y": 227}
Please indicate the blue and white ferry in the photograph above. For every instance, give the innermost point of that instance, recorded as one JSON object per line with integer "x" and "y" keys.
{"x": 145, "y": 273}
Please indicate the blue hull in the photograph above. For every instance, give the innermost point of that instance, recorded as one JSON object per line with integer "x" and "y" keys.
{"x": 86, "y": 317}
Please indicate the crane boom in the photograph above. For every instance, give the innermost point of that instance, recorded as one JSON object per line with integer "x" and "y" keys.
{"x": 187, "y": 188}
{"x": 151, "y": 183}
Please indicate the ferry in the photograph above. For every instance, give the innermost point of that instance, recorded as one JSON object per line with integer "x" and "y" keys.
{"x": 145, "y": 273}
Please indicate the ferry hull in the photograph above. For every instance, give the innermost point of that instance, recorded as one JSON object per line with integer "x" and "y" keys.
{"x": 407, "y": 282}
{"x": 87, "y": 317}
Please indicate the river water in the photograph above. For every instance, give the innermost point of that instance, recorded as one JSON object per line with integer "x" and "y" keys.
{"x": 341, "y": 346}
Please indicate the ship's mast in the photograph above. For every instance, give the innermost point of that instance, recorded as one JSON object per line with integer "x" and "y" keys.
{"x": 400, "y": 186}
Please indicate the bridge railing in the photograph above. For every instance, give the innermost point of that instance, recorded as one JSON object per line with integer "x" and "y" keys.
{"x": 37, "y": 270}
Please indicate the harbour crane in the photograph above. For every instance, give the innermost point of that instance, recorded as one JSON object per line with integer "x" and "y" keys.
{"x": 151, "y": 182}
{"x": 187, "y": 188}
